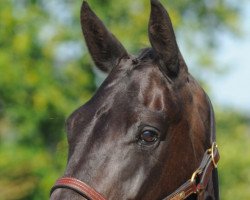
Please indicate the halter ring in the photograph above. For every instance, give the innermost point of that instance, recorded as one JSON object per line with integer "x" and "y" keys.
{"x": 212, "y": 150}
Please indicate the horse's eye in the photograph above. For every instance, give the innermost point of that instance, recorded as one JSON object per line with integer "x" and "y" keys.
{"x": 149, "y": 136}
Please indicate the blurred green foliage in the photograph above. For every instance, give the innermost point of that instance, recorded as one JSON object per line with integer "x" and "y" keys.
{"x": 233, "y": 136}
{"x": 45, "y": 73}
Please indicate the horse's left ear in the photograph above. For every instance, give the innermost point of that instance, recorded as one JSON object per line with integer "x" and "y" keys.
{"x": 162, "y": 39}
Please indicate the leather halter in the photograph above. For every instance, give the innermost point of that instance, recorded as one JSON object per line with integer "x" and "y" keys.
{"x": 195, "y": 185}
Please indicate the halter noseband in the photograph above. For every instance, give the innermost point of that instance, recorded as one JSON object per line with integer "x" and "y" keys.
{"x": 78, "y": 186}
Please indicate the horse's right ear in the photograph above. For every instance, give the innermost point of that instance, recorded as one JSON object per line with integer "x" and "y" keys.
{"x": 162, "y": 39}
{"x": 103, "y": 46}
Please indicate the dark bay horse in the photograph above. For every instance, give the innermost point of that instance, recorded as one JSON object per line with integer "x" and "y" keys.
{"x": 148, "y": 132}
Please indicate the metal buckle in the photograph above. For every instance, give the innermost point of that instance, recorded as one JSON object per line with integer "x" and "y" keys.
{"x": 194, "y": 175}
{"x": 212, "y": 151}
{"x": 193, "y": 179}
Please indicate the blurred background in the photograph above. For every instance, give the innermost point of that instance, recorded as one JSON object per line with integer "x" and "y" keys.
{"x": 46, "y": 73}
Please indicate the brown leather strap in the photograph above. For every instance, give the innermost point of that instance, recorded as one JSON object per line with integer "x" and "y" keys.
{"x": 208, "y": 168}
{"x": 182, "y": 192}
{"x": 78, "y": 186}
{"x": 200, "y": 177}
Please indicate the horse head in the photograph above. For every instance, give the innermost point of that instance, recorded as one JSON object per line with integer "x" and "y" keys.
{"x": 145, "y": 130}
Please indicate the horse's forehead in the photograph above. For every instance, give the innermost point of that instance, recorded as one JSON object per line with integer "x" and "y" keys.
{"x": 131, "y": 76}
{"x": 139, "y": 85}
{"x": 128, "y": 87}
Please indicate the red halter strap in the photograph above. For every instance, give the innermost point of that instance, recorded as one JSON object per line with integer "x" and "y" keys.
{"x": 78, "y": 186}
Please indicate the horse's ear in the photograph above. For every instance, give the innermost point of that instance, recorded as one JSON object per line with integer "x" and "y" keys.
{"x": 162, "y": 39}
{"x": 103, "y": 46}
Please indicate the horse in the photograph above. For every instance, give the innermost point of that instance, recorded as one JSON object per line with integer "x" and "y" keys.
{"x": 148, "y": 132}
